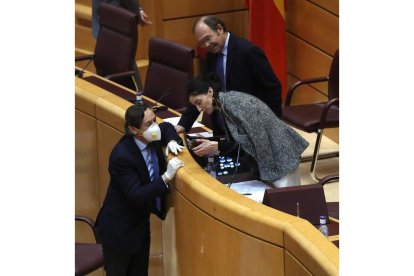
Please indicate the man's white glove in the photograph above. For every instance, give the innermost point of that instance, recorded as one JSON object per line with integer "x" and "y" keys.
{"x": 173, "y": 165}
{"x": 174, "y": 147}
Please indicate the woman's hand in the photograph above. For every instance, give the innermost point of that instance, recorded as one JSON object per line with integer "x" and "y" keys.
{"x": 205, "y": 147}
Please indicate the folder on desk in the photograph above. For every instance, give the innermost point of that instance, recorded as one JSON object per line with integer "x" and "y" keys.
{"x": 310, "y": 198}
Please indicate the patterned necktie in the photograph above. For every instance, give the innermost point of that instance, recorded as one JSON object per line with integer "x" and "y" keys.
{"x": 152, "y": 162}
{"x": 220, "y": 71}
{"x": 153, "y": 169}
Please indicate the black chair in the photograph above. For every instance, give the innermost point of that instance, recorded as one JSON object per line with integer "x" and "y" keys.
{"x": 169, "y": 71}
{"x": 88, "y": 256}
{"x": 116, "y": 45}
{"x": 315, "y": 117}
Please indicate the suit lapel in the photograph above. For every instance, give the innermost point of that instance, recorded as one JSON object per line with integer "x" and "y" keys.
{"x": 158, "y": 150}
{"x": 139, "y": 159}
{"x": 231, "y": 52}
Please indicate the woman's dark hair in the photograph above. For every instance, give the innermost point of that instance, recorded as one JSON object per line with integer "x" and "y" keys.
{"x": 200, "y": 84}
{"x": 211, "y": 21}
{"x": 134, "y": 116}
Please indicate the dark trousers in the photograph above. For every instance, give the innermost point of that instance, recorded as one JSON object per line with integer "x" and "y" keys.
{"x": 122, "y": 264}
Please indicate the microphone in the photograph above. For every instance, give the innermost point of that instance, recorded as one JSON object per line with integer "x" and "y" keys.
{"x": 79, "y": 73}
{"x": 156, "y": 107}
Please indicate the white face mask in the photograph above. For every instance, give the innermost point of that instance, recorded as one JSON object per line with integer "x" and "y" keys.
{"x": 153, "y": 133}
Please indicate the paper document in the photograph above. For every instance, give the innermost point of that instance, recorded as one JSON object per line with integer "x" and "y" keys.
{"x": 204, "y": 134}
{"x": 253, "y": 189}
{"x": 174, "y": 121}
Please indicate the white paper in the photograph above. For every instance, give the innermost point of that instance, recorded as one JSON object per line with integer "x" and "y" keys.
{"x": 253, "y": 189}
{"x": 174, "y": 121}
{"x": 204, "y": 134}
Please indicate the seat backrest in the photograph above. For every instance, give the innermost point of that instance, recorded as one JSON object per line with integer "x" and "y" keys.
{"x": 333, "y": 83}
{"x": 306, "y": 201}
{"x": 117, "y": 40}
{"x": 170, "y": 69}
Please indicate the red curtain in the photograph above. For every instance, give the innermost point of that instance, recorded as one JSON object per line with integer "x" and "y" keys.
{"x": 267, "y": 30}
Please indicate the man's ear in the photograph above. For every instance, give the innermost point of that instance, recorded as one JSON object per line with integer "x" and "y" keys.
{"x": 220, "y": 29}
{"x": 210, "y": 91}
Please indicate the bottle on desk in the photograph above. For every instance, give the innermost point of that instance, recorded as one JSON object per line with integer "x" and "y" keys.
{"x": 323, "y": 228}
{"x": 211, "y": 166}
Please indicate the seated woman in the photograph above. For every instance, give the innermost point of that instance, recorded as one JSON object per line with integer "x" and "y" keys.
{"x": 248, "y": 121}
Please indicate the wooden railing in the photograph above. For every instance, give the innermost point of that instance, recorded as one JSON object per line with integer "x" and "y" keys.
{"x": 209, "y": 229}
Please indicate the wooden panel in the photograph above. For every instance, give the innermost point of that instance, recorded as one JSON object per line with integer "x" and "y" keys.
{"x": 84, "y": 63}
{"x": 110, "y": 110}
{"x": 293, "y": 267}
{"x": 84, "y": 2}
{"x": 215, "y": 199}
{"x": 185, "y": 8}
{"x": 302, "y": 242}
{"x": 155, "y": 266}
{"x": 205, "y": 246}
{"x": 305, "y": 61}
{"x": 86, "y": 177}
{"x": 332, "y": 133}
{"x": 107, "y": 138}
{"x": 314, "y": 25}
{"x": 84, "y": 39}
{"x": 83, "y": 12}
{"x": 330, "y": 5}
{"x": 180, "y": 30}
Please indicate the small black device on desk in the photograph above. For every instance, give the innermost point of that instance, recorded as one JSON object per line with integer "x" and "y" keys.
{"x": 226, "y": 165}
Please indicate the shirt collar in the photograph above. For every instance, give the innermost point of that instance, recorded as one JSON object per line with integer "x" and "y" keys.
{"x": 226, "y": 44}
{"x": 141, "y": 145}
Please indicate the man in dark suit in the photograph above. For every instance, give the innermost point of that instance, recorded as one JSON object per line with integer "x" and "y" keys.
{"x": 241, "y": 66}
{"x": 140, "y": 178}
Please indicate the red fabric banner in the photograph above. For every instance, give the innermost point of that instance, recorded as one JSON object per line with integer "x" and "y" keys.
{"x": 268, "y": 31}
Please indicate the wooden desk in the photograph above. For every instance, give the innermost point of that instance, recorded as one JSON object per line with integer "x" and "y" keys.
{"x": 209, "y": 229}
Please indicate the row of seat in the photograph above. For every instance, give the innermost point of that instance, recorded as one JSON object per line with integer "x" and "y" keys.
{"x": 170, "y": 68}
{"x": 170, "y": 64}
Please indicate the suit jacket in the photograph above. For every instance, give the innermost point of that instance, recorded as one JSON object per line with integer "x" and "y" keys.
{"x": 123, "y": 221}
{"x": 274, "y": 145}
{"x": 247, "y": 70}
{"x": 132, "y": 5}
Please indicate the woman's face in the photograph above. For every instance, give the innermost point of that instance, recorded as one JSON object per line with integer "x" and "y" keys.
{"x": 203, "y": 102}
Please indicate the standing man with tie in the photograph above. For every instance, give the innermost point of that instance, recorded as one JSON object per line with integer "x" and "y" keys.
{"x": 140, "y": 178}
{"x": 240, "y": 65}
